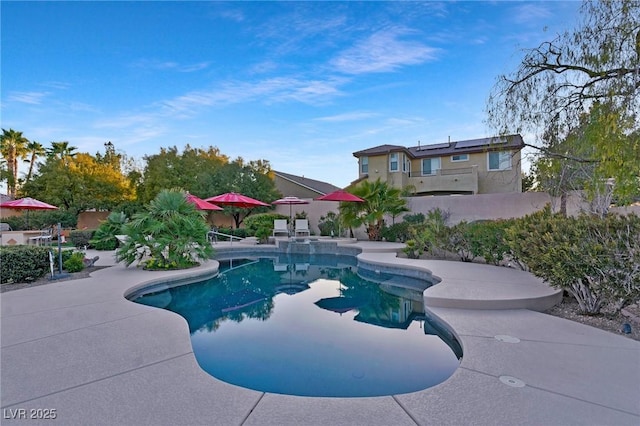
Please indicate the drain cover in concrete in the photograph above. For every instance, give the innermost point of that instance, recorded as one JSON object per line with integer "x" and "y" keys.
{"x": 512, "y": 381}
{"x": 507, "y": 339}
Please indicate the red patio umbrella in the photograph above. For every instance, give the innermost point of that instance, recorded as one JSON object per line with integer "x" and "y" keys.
{"x": 236, "y": 200}
{"x": 290, "y": 201}
{"x": 340, "y": 195}
{"x": 27, "y": 204}
{"x": 200, "y": 203}
{"x": 233, "y": 199}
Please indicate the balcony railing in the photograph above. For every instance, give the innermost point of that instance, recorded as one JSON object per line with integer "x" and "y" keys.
{"x": 446, "y": 172}
{"x": 462, "y": 180}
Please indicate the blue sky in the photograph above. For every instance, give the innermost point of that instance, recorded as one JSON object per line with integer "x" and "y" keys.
{"x": 300, "y": 84}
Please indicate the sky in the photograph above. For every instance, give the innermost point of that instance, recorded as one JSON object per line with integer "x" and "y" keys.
{"x": 302, "y": 85}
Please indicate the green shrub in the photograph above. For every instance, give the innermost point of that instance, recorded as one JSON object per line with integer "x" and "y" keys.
{"x": 104, "y": 238}
{"x": 81, "y": 238}
{"x": 41, "y": 220}
{"x": 261, "y": 221}
{"x": 397, "y": 232}
{"x": 75, "y": 263}
{"x": 23, "y": 263}
{"x": 329, "y": 225}
{"x": 487, "y": 240}
{"x": 595, "y": 260}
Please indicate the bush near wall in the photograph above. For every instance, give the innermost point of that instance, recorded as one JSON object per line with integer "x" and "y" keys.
{"x": 597, "y": 260}
{"x": 21, "y": 264}
{"x": 81, "y": 238}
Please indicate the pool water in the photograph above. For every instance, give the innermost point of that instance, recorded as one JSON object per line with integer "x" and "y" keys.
{"x": 312, "y": 326}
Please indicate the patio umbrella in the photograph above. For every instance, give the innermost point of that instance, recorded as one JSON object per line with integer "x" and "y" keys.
{"x": 340, "y": 195}
{"x": 27, "y": 204}
{"x": 236, "y": 200}
{"x": 290, "y": 201}
{"x": 200, "y": 203}
{"x": 233, "y": 199}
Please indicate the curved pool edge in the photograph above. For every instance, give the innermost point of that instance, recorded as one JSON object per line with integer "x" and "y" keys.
{"x": 144, "y": 384}
{"x": 184, "y": 277}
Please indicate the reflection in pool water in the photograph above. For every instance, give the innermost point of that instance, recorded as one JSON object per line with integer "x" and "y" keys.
{"x": 312, "y": 326}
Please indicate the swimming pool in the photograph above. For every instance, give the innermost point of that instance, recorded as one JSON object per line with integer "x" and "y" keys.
{"x": 313, "y": 326}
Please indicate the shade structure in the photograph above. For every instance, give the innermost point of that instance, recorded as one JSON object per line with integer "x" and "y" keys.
{"x": 341, "y": 304}
{"x": 340, "y": 195}
{"x": 236, "y": 200}
{"x": 28, "y": 203}
{"x": 200, "y": 203}
{"x": 290, "y": 201}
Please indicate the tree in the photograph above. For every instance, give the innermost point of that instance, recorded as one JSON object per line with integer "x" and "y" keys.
{"x": 380, "y": 199}
{"x": 598, "y": 63}
{"x": 62, "y": 151}
{"x": 13, "y": 145}
{"x": 79, "y": 182}
{"x": 192, "y": 170}
{"x": 33, "y": 151}
{"x": 172, "y": 233}
{"x": 600, "y": 157}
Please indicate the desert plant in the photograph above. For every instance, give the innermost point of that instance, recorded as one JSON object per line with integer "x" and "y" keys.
{"x": 594, "y": 259}
{"x": 329, "y": 225}
{"x": 171, "y": 233}
{"x": 413, "y": 249}
{"x": 104, "y": 238}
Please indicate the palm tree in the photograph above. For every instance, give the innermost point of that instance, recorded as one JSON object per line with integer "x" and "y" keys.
{"x": 61, "y": 151}
{"x": 33, "y": 151}
{"x": 12, "y": 146}
{"x": 380, "y": 199}
{"x": 171, "y": 232}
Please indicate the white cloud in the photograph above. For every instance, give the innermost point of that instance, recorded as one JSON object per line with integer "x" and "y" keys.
{"x": 383, "y": 51}
{"x": 348, "y": 116}
{"x": 32, "y": 98}
{"x": 170, "y": 65}
{"x": 530, "y": 13}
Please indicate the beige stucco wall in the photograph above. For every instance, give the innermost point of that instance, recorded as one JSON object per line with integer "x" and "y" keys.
{"x": 488, "y": 182}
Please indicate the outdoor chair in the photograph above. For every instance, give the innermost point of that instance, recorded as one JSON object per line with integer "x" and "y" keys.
{"x": 280, "y": 227}
{"x": 302, "y": 228}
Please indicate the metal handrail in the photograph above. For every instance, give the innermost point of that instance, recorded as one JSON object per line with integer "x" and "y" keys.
{"x": 231, "y": 237}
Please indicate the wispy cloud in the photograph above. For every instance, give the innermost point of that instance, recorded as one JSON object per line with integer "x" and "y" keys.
{"x": 383, "y": 51}
{"x": 530, "y": 13}
{"x": 32, "y": 98}
{"x": 348, "y": 116}
{"x": 170, "y": 65}
{"x": 268, "y": 91}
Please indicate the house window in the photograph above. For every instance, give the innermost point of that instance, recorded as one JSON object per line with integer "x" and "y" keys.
{"x": 393, "y": 162}
{"x": 459, "y": 157}
{"x": 430, "y": 166}
{"x": 500, "y": 160}
{"x": 364, "y": 165}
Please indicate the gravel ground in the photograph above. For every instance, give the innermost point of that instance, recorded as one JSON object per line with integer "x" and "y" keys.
{"x": 568, "y": 309}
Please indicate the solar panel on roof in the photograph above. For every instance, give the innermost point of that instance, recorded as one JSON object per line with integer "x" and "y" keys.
{"x": 434, "y": 146}
{"x": 471, "y": 144}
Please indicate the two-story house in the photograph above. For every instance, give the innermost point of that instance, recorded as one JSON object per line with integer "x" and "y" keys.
{"x": 477, "y": 166}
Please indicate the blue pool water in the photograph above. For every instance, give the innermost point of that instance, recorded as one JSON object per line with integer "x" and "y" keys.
{"x": 313, "y": 326}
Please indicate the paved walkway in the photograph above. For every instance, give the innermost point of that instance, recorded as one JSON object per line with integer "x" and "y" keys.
{"x": 80, "y": 348}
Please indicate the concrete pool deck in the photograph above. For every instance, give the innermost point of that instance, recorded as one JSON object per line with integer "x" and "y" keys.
{"x": 80, "y": 348}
